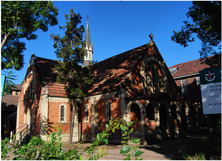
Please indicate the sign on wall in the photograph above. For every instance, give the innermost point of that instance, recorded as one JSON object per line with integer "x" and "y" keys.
{"x": 210, "y": 81}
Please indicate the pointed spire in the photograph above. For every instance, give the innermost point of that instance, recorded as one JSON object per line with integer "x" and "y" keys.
{"x": 89, "y": 46}
{"x": 87, "y": 36}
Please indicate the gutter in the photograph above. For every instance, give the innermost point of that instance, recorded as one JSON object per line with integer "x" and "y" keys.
{"x": 185, "y": 76}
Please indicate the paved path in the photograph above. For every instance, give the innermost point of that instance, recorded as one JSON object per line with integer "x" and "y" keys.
{"x": 163, "y": 150}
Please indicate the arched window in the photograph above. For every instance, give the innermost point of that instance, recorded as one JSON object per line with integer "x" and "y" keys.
{"x": 135, "y": 113}
{"x": 30, "y": 86}
{"x": 154, "y": 77}
{"x": 108, "y": 111}
{"x": 62, "y": 113}
{"x": 86, "y": 113}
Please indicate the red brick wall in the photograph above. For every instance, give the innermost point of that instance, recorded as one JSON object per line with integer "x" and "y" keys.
{"x": 193, "y": 88}
{"x": 54, "y": 115}
{"x": 85, "y": 127}
{"x": 83, "y": 110}
{"x": 137, "y": 89}
{"x": 115, "y": 107}
{"x": 31, "y": 102}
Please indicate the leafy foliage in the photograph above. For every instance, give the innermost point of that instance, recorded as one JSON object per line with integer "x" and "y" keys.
{"x": 20, "y": 19}
{"x": 70, "y": 50}
{"x": 126, "y": 149}
{"x": 194, "y": 149}
{"x": 4, "y": 149}
{"x": 198, "y": 149}
{"x": 36, "y": 149}
{"x": 206, "y": 17}
{"x": 10, "y": 77}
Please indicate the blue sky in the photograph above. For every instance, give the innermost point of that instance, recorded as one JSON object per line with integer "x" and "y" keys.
{"x": 119, "y": 26}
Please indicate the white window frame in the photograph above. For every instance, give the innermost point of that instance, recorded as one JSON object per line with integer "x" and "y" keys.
{"x": 198, "y": 80}
{"x": 60, "y": 113}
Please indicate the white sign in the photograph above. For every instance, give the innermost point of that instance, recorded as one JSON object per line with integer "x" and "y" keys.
{"x": 210, "y": 80}
{"x": 211, "y": 98}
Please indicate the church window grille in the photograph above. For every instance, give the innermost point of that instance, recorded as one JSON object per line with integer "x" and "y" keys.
{"x": 62, "y": 113}
{"x": 155, "y": 78}
{"x": 86, "y": 113}
{"x": 108, "y": 111}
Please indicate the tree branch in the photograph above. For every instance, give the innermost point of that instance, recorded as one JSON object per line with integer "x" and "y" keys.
{"x": 4, "y": 39}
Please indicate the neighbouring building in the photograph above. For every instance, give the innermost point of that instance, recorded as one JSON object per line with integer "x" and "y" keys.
{"x": 186, "y": 76}
{"x": 9, "y": 111}
{"x": 135, "y": 85}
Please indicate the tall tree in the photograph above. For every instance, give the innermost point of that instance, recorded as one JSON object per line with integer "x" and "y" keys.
{"x": 70, "y": 51}
{"x": 206, "y": 17}
{"x": 20, "y": 19}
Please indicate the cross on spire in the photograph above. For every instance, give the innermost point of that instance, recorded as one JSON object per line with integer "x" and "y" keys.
{"x": 87, "y": 17}
{"x": 151, "y": 36}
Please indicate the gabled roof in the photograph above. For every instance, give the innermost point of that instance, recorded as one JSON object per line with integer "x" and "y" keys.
{"x": 18, "y": 87}
{"x": 48, "y": 72}
{"x": 187, "y": 68}
{"x": 109, "y": 73}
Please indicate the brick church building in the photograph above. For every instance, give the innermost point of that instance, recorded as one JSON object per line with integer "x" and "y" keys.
{"x": 135, "y": 85}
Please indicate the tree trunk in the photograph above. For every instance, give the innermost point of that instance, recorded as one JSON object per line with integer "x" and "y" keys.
{"x": 72, "y": 123}
{"x": 4, "y": 39}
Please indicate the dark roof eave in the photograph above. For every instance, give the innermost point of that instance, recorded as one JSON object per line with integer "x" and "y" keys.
{"x": 153, "y": 96}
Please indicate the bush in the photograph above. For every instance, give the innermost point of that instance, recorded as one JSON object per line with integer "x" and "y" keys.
{"x": 36, "y": 149}
{"x": 194, "y": 149}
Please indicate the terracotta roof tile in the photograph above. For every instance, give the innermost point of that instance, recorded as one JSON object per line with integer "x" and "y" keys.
{"x": 188, "y": 68}
{"x": 108, "y": 73}
{"x": 111, "y": 72}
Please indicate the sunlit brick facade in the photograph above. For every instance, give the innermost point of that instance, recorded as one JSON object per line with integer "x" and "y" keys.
{"x": 135, "y": 85}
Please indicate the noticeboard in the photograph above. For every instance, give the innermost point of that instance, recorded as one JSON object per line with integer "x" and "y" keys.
{"x": 210, "y": 81}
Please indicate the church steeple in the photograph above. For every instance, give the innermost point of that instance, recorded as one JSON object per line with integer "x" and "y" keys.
{"x": 89, "y": 46}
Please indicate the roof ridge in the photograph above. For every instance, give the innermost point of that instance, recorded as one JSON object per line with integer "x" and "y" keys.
{"x": 121, "y": 53}
{"x": 184, "y": 63}
{"x": 46, "y": 58}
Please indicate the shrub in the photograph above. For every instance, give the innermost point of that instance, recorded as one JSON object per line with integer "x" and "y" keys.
{"x": 36, "y": 149}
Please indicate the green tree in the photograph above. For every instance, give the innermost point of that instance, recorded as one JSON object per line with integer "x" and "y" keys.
{"x": 206, "y": 17}
{"x": 20, "y": 19}
{"x": 10, "y": 77}
{"x": 70, "y": 51}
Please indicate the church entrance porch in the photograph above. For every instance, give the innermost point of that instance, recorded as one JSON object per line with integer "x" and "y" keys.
{"x": 153, "y": 118}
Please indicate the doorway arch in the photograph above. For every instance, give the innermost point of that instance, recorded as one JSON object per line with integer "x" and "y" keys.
{"x": 135, "y": 114}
